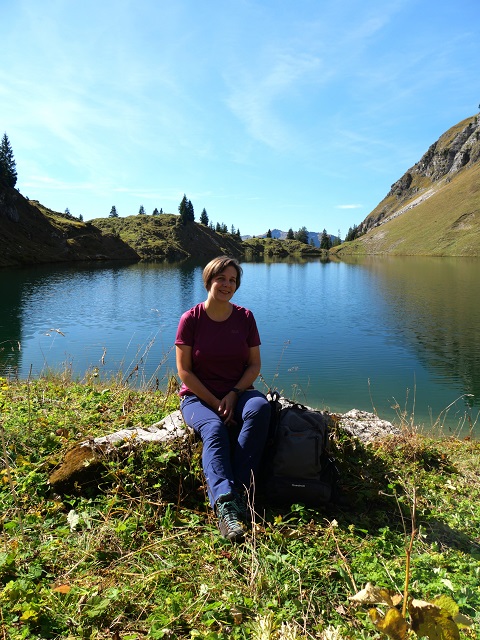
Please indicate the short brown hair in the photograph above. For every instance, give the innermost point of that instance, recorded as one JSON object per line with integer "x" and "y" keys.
{"x": 216, "y": 266}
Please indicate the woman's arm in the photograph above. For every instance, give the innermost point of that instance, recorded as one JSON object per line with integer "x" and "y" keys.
{"x": 228, "y": 402}
{"x": 185, "y": 372}
{"x": 252, "y": 369}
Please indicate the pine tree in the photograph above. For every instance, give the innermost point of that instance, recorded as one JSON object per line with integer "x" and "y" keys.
{"x": 302, "y": 235}
{"x": 352, "y": 233}
{"x": 8, "y": 171}
{"x": 141, "y": 211}
{"x": 290, "y": 234}
{"x": 325, "y": 241}
{"x": 204, "y": 217}
{"x": 183, "y": 210}
{"x": 113, "y": 212}
{"x": 186, "y": 211}
{"x": 269, "y": 233}
{"x": 80, "y": 217}
{"x": 190, "y": 212}
{"x": 155, "y": 212}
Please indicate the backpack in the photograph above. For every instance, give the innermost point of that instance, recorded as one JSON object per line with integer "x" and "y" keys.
{"x": 300, "y": 468}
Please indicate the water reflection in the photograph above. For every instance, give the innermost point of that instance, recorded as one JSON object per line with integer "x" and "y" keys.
{"x": 433, "y": 303}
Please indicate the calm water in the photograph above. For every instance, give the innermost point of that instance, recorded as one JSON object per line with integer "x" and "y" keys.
{"x": 371, "y": 334}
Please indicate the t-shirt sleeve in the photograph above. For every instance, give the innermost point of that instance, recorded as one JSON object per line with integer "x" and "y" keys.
{"x": 185, "y": 330}
{"x": 253, "y": 337}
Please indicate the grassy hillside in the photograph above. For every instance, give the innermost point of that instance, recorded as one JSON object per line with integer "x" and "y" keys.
{"x": 163, "y": 237}
{"x": 445, "y": 224}
{"x": 434, "y": 208}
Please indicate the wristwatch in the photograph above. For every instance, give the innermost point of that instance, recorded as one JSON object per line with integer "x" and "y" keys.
{"x": 237, "y": 391}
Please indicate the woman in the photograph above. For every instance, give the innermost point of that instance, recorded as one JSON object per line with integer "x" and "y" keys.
{"x": 218, "y": 359}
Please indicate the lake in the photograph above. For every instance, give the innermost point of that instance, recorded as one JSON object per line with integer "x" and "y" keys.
{"x": 394, "y": 335}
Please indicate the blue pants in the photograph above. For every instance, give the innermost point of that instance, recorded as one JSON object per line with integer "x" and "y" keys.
{"x": 231, "y": 454}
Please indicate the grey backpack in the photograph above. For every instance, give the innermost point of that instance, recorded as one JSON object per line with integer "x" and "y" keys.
{"x": 300, "y": 466}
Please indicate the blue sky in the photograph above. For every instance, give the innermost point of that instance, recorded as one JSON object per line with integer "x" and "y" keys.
{"x": 270, "y": 114}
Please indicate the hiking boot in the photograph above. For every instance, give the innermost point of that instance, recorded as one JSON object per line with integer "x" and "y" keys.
{"x": 241, "y": 505}
{"x": 229, "y": 521}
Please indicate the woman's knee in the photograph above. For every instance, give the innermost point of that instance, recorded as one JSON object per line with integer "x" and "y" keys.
{"x": 257, "y": 405}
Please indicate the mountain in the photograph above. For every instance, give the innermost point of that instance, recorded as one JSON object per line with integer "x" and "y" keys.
{"x": 434, "y": 208}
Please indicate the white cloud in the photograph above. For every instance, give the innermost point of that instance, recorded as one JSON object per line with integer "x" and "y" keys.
{"x": 259, "y": 96}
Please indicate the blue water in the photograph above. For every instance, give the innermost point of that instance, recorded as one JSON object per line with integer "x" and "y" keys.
{"x": 370, "y": 335}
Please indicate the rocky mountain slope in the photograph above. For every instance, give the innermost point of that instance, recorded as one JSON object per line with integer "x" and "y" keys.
{"x": 434, "y": 208}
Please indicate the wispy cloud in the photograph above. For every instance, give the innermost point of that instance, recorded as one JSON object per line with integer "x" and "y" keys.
{"x": 349, "y": 206}
{"x": 258, "y": 97}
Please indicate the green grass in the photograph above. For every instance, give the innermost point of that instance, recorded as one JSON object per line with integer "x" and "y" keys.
{"x": 133, "y": 552}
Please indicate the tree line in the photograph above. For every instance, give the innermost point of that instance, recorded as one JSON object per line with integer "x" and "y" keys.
{"x": 186, "y": 214}
{"x": 8, "y": 178}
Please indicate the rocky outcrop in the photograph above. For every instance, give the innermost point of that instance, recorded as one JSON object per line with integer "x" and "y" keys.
{"x": 31, "y": 234}
{"x": 455, "y": 150}
{"x": 8, "y": 208}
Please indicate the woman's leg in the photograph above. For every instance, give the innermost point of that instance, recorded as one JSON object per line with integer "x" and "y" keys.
{"x": 216, "y": 459}
{"x": 253, "y": 414}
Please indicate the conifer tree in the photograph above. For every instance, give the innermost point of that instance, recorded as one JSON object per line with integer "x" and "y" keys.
{"x": 141, "y": 211}
{"x": 113, "y": 212}
{"x": 8, "y": 171}
{"x": 269, "y": 233}
{"x": 204, "y": 217}
{"x": 290, "y": 234}
{"x": 302, "y": 235}
{"x": 185, "y": 209}
{"x": 155, "y": 212}
{"x": 190, "y": 212}
{"x": 325, "y": 241}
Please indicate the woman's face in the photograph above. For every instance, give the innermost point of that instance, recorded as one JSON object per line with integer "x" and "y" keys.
{"x": 223, "y": 285}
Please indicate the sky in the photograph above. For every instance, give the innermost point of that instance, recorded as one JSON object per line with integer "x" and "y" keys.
{"x": 270, "y": 114}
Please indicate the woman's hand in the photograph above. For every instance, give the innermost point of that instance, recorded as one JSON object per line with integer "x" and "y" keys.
{"x": 227, "y": 407}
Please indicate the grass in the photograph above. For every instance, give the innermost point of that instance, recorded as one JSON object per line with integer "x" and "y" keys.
{"x": 133, "y": 552}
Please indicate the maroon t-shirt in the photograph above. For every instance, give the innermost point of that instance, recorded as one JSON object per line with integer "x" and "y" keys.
{"x": 220, "y": 350}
